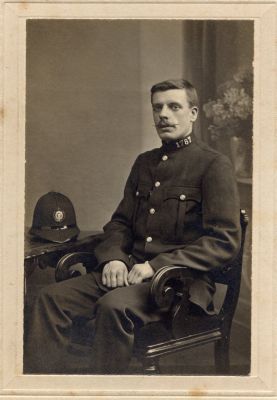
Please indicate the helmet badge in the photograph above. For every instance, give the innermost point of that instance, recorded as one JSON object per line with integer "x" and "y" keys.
{"x": 59, "y": 215}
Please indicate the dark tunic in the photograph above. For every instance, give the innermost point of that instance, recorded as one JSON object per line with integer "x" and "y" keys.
{"x": 180, "y": 207}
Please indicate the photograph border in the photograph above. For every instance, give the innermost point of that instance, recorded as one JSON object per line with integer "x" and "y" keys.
{"x": 262, "y": 380}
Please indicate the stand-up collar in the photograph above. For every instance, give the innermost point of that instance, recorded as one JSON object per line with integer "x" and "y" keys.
{"x": 178, "y": 144}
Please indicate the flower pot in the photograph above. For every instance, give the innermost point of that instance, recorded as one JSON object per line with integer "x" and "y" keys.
{"x": 241, "y": 155}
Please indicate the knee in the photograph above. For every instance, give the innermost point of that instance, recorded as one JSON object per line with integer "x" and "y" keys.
{"x": 112, "y": 310}
{"x": 48, "y": 294}
{"x": 111, "y": 303}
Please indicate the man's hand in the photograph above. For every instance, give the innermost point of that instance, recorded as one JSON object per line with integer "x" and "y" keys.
{"x": 139, "y": 272}
{"x": 115, "y": 273}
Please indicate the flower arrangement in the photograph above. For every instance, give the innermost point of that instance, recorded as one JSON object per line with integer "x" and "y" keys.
{"x": 231, "y": 113}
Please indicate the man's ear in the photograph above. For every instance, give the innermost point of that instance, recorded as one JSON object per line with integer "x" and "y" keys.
{"x": 194, "y": 113}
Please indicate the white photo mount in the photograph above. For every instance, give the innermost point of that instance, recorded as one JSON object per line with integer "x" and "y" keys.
{"x": 263, "y": 377}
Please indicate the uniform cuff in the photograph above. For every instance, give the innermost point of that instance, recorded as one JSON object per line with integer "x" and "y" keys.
{"x": 124, "y": 258}
{"x": 155, "y": 264}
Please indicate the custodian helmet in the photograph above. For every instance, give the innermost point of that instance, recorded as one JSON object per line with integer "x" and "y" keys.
{"x": 54, "y": 218}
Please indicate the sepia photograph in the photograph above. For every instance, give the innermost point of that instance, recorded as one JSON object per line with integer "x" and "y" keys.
{"x": 138, "y": 203}
{"x": 170, "y": 277}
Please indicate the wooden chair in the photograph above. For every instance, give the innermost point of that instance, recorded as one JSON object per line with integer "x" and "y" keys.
{"x": 169, "y": 292}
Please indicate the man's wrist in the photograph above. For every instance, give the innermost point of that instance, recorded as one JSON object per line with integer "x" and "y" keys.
{"x": 115, "y": 260}
{"x": 149, "y": 263}
{"x": 150, "y": 268}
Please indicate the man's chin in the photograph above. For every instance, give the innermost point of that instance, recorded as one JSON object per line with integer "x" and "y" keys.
{"x": 166, "y": 136}
{"x": 169, "y": 136}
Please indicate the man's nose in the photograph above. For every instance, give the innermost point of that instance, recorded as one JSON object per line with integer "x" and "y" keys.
{"x": 164, "y": 111}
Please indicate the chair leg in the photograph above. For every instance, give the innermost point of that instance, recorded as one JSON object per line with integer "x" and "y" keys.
{"x": 222, "y": 356}
{"x": 150, "y": 366}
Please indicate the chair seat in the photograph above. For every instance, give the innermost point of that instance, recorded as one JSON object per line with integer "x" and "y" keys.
{"x": 159, "y": 332}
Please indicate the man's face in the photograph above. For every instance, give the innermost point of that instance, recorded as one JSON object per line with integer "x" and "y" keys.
{"x": 172, "y": 114}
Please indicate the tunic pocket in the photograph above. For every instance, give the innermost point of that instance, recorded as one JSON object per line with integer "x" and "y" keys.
{"x": 179, "y": 205}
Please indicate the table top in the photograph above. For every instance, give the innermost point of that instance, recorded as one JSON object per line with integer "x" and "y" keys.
{"x": 34, "y": 247}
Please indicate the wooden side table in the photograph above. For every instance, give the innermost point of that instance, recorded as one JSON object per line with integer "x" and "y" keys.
{"x": 39, "y": 253}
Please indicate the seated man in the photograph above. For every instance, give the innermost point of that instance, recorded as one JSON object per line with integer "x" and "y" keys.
{"x": 180, "y": 207}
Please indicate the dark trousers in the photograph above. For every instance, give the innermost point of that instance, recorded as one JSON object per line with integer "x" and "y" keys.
{"x": 116, "y": 312}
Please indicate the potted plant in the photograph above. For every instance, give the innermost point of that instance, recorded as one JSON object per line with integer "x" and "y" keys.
{"x": 231, "y": 116}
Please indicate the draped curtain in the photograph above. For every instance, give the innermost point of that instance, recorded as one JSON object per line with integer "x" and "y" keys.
{"x": 200, "y": 65}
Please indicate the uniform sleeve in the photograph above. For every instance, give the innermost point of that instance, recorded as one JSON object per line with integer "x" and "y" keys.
{"x": 221, "y": 223}
{"x": 118, "y": 237}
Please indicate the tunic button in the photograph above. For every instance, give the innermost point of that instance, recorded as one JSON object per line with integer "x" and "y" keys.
{"x": 152, "y": 211}
{"x": 165, "y": 157}
{"x": 183, "y": 197}
{"x": 149, "y": 239}
{"x": 137, "y": 194}
{"x": 157, "y": 184}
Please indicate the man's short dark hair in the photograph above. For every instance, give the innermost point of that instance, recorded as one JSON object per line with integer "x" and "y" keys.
{"x": 177, "y": 84}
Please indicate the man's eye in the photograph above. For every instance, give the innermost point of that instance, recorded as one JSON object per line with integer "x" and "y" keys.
{"x": 175, "y": 107}
{"x": 157, "y": 108}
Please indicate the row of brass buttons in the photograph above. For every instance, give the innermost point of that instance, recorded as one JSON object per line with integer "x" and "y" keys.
{"x": 152, "y": 210}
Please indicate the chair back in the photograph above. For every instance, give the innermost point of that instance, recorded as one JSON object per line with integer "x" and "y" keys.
{"x": 230, "y": 275}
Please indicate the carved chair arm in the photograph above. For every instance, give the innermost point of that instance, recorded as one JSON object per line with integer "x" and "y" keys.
{"x": 63, "y": 270}
{"x": 170, "y": 284}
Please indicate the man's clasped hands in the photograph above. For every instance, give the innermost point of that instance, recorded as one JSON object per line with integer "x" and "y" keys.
{"x": 115, "y": 273}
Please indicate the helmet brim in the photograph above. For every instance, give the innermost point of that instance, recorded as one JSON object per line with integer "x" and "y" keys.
{"x": 56, "y": 235}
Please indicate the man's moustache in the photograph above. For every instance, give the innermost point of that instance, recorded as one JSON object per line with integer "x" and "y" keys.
{"x": 163, "y": 125}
